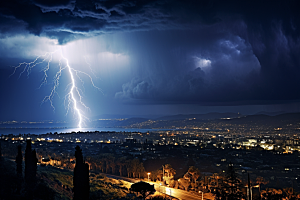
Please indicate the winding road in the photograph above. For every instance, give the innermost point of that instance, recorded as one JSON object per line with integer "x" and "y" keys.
{"x": 175, "y": 193}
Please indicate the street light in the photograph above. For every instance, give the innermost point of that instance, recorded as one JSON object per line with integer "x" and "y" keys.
{"x": 148, "y": 175}
{"x": 202, "y": 194}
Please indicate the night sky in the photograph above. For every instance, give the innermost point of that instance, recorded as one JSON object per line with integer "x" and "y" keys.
{"x": 150, "y": 57}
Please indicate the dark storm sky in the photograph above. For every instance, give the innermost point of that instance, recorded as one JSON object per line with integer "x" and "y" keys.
{"x": 154, "y": 57}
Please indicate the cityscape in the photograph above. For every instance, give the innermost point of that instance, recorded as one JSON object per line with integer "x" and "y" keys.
{"x": 195, "y": 158}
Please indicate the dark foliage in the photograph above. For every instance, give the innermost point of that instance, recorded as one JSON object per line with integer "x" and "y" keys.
{"x": 42, "y": 191}
{"x": 231, "y": 188}
{"x": 81, "y": 177}
{"x": 145, "y": 189}
{"x": 8, "y": 180}
{"x": 30, "y": 169}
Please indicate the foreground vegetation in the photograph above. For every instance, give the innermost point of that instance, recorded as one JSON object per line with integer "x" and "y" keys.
{"x": 57, "y": 184}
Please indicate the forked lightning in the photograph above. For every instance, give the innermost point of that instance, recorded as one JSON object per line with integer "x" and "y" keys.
{"x": 73, "y": 98}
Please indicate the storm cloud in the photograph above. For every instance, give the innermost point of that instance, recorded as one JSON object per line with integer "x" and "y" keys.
{"x": 202, "y": 52}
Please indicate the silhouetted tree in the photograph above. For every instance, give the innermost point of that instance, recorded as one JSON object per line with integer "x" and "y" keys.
{"x": 231, "y": 188}
{"x": 143, "y": 188}
{"x": 112, "y": 164}
{"x": 260, "y": 180}
{"x": 195, "y": 173}
{"x": 107, "y": 165}
{"x": 184, "y": 183}
{"x": 169, "y": 170}
{"x": 159, "y": 174}
{"x": 81, "y": 177}
{"x": 168, "y": 173}
{"x": 153, "y": 175}
{"x": 141, "y": 170}
{"x": 121, "y": 163}
{"x": 30, "y": 168}
{"x": 19, "y": 160}
{"x": 128, "y": 167}
{"x": 134, "y": 167}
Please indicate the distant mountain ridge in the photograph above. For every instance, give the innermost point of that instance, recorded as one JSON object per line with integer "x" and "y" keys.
{"x": 172, "y": 121}
{"x": 279, "y": 120}
{"x": 271, "y": 113}
{"x": 207, "y": 116}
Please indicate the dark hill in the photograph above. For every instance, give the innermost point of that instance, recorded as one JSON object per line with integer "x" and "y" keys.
{"x": 279, "y": 120}
{"x": 207, "y": 116}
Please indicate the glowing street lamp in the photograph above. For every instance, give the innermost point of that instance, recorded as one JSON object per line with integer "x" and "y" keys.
{"x": 202, "y": 194}
{"x": 148, "y": 175}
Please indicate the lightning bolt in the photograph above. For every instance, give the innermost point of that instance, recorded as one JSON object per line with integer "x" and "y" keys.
{"x": 74, "y": 97}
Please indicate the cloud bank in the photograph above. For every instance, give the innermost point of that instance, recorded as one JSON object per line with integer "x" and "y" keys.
{"x": 202, "y": 52}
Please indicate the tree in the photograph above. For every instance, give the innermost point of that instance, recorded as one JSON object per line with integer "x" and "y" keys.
{"x": 159, "y": 174}
{"x": 81, "y": 177}
{"x": 30, "y": 169}
{"x": 143, "y": 188}
{"x": 140, "y": 170}
{"x": 120, "y": 167}
{"x": 260, "y": 180}
{"x": 154, "y": 175}
{"x": 184, "y": 183}
{"x": 128, "y": 167}
{"x": 231, "y": 188}
{"x": 195, "y": 173}
{"x": 169, "y": 170}
{"x": 134, "y": 167}
{"x": 172, "y": 183}
{"x": 113, "y": 165}
{"x": 187, "y": 176}
{"x": 120, "y": 163}
{"x": 101, "y": 165}
{"x": 107, "y": 165}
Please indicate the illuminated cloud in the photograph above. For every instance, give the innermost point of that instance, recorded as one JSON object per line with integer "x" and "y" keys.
{"x": 160, "y": 52}
{"x": 202, "y": 62}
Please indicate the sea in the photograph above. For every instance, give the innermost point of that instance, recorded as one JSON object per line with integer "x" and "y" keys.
{"x": 39, "y": 131}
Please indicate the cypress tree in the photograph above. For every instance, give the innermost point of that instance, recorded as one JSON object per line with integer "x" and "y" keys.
{"x": 81, "y": 177}
{"x": 30, "y": 168}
